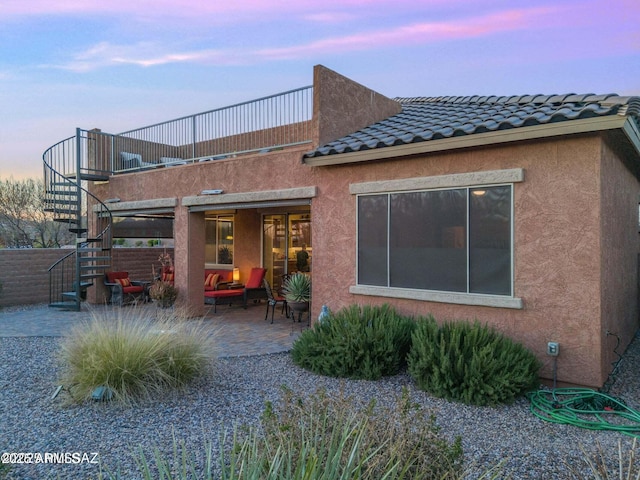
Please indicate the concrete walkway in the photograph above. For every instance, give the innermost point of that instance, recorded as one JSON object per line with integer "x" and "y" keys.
{"x": 239, "y": 332}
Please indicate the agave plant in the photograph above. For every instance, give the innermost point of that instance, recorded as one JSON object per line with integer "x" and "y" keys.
{"x": 297, "y": 288}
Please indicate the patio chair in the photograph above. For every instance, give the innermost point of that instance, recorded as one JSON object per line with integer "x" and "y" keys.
{"x": 254, "y": 288}
{"x": 273, "y": 300}
{"x": 123, "y": 289}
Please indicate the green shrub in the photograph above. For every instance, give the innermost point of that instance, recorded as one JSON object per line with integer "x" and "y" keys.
{"x": 135, "y": 356}
{"x": 356, "y": 342}
{"x": 324, "y": 437}
{"x": 470, "y": 363}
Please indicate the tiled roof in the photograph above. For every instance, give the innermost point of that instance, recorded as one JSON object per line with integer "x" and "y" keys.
{"x": 431, "y": 118}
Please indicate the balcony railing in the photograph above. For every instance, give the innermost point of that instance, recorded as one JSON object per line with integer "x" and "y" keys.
{"x": 264, "y": 124}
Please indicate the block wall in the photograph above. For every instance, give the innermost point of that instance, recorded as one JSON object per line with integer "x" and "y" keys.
{"x": 25, "y": 281}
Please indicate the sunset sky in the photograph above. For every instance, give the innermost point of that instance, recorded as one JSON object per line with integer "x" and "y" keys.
{"x": 123, "y": 64}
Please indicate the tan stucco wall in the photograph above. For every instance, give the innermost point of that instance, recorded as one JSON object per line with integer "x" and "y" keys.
{"x": 619, "y": 280}
{"x": 342, "y": 106}
{"x": 560, "y": 276}
{"x": 557, "y": 244}
{"x": 271, "y": 171}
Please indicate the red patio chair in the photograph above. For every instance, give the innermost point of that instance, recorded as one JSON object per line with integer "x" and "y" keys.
{"x": 123, "y": 289}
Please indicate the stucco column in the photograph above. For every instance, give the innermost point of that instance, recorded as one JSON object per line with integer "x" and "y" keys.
{"x": 189, "y": 238}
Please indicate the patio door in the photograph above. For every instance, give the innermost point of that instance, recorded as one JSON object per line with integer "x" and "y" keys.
{"x": 286, "y": 245}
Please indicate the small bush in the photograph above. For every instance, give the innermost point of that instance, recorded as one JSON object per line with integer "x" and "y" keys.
{"x": 136, "y": 357}
{"x": 470, "y": 363}
{"x": 323, "y": 437}
{"x": 356, "y": 342}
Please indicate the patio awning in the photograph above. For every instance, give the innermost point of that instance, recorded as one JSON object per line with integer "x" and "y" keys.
{"x": 261, "y": 199}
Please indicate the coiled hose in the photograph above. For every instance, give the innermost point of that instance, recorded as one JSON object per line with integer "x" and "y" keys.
{"x": 585, "y": 408}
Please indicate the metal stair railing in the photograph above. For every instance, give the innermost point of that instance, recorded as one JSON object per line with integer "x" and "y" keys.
{"x": 68, "y": 166}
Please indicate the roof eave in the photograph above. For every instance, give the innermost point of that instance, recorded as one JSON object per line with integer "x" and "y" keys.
{"x": 586, "y": 125}
{"x": 632, "y": 131}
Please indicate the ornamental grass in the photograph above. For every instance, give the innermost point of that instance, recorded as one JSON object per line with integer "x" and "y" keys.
{"x": 139, "y": 355}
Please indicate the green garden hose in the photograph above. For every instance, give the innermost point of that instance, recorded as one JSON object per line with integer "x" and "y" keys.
{"x": 585, "y": 408}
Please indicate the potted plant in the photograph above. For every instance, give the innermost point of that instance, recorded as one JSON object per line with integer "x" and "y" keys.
{"x": 163, "y": 291}
{"x": 297, "y": 291}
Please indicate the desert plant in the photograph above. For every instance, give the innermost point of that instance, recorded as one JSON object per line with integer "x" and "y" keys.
{"x": 297, "y": 288}
{"x": 331, "y": 437}
{"x": 163, "y": 292}
{"x": 133, "y": 356}
{"x": 324, "y": 437}
{"x": 470, "y": 363}
{"x": 356, "y": 342}
{"x": 602, "y": 467}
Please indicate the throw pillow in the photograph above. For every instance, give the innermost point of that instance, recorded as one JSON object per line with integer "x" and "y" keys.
{"x": 167, "y": 277}
{"x": 212, "y": 280}
{"x": 124, "y": 282}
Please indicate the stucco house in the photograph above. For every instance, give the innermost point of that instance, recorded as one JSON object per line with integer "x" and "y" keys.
{"x": 521, "y": 211}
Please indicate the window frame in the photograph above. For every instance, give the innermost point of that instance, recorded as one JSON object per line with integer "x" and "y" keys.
{"x": 218, "y": 218}
{"x": 468, "y": 181}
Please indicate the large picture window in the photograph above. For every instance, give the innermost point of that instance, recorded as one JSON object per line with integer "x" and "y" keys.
{"x": 452, "y": 240}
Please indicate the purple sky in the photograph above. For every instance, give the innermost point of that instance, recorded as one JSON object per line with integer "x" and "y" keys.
{"x": 118, "y": 65}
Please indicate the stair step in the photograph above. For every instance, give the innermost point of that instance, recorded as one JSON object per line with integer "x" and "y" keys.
{"x": 67, "y": 193}
{"x": 91, "y": 250}
{"x": 66, "y": 220}
{"x": 93, "y": 176}
{"x": 94, "y": 267}
{"x": 63, "y": 201}
{"x": 77, "y": 230}
{"x": 94, "y": 259}
{"x": 62, "y": 211}
{"x": 65, "y": 305}
{"x": 91, "y": 276}
{"x": 62, "y": 188}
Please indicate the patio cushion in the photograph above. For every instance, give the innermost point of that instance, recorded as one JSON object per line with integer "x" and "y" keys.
{"x": 112, "y": 276}
{"x": 236, "y": 292}
{"x": 211, "y": 280}
{"x": 256, "y": 277}
{"x": 133, "y": 289}
{"x": 167, "y": 277}
{"x": 124, "y": 282}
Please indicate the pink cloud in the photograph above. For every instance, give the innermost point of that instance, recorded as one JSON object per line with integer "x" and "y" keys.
{"x": 423, "y": 33}
{"x": 419, "y": 33}
{"x": 195, "y": 9}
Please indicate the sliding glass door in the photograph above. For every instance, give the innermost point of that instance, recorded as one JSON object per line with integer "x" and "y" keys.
{"x": 286, "y": 245}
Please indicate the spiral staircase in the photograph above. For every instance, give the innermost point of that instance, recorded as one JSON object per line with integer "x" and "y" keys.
{"x": 69, "y": 166}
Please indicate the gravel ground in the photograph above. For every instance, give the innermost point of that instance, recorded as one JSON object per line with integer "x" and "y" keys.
{"x": 31, "y": 421}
